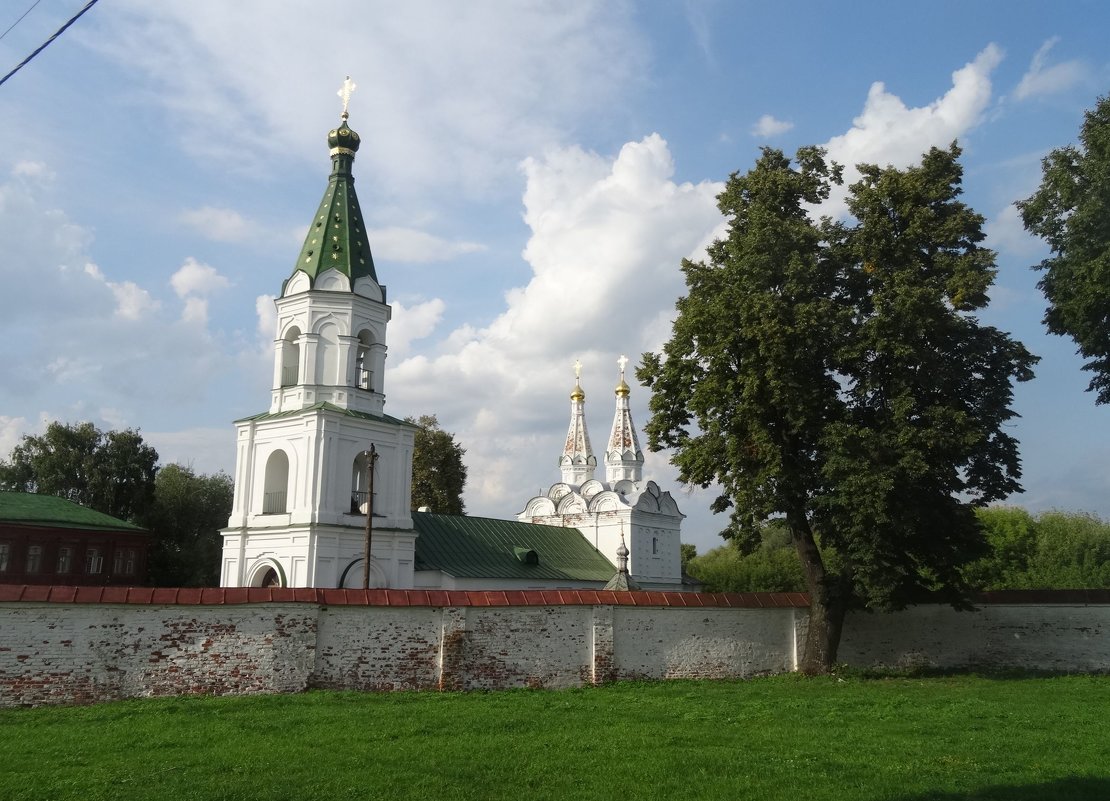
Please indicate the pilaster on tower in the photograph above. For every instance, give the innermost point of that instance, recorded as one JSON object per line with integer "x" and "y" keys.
{"x": 623, "y": 457}
{"x": 578, "y": 461}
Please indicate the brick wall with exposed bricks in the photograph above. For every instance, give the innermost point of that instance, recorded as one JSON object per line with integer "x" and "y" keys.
{"x": 82, "y": 645}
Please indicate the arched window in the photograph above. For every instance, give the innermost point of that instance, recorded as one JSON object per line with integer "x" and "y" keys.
{"x": 276, "y": 489}
{"x": 290, "y": 357}
{"x": 363, "y": 375}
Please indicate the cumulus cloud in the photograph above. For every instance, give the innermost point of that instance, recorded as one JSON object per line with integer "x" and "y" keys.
{"x": 412, "y": 245}
{"x": 607, "y": 237}
{"x": 411, "y": 323}
{"x": 32, "y": 169}
{"x": 221, "y": 225}
{"x": 767, "y": 126}
{"x": 1006, "y": 234}
{"x": 887, "y": 132}
{"x": 132, "y": 301}
{"x": 197, "y": 279}
{"x": 1045, "y": 79}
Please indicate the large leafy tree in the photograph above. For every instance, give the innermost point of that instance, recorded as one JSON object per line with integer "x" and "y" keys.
{"x": 188, "y": 512}
{"x": 438, "y": 472}
{"x": 833, "y": 375}
{"x": 112, "y": 472}
{"x": 1071, "y": 212}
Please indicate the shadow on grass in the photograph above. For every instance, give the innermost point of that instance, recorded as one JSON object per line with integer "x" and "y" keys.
{"x": 1070, "y": 789}
{"x": 924, "y": 672}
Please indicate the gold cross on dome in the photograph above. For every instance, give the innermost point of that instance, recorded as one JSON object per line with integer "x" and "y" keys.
{"x": 577, "y": 369}
{"x": 345, "y": 93}
{"x": 622, "y": 362}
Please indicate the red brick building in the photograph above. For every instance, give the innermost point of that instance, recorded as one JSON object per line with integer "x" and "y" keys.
{"x": 49, "y": 540}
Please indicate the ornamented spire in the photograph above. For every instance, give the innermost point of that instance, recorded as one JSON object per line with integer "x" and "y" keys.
{"x": 578, "y": 461}
{"x": 623, "y": 457}
{"x": 337, "y": 235}
{"x": 621, "y": 580}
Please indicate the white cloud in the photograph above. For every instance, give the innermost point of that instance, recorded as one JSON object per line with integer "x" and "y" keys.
{"x": 32, "y": 169}
{"x": 196, "y": 279}
{"x": 468, "y": 89}
{"x": 1043, "y": 79}
{"x": 132, "y": 301}
{"x": 887, "y": 132}
{"x": 221, "y": 225}
{"x": 607, "y": 237}
{"x": 410, "y": 245}
{"x": 266, "y": 313}
{"x": 767, "y": 126}
{"x": 1006, "y": 233}
{"x": 411, "y": 323}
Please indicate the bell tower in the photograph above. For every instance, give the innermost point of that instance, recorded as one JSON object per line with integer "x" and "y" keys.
{"x": 302, "y": 471}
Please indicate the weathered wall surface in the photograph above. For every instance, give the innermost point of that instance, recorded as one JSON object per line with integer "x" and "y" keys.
{"x": 1058, "y": 637}
{"x": 67, "y": 645}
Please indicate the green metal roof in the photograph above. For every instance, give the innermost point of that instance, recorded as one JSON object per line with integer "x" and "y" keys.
{"x": 481, "y": 547}
{"x": 337, "y": 236}
{"x": 48, "y": 510}
{"x": 325, "y": 406}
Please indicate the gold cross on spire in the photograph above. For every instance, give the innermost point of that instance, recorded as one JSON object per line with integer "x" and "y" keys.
{"x": 622, "y": 362}
{"x": 345, "y": 93}
{"x": 577, "y": 369}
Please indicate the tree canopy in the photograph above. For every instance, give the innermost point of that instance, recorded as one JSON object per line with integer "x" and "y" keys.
{"x": 438, "y": 472}
{"x": 111, "y": 472}
{"x": 117, "y": 473}
{"x": 1071, "y": 212}
{"x": 833, "y": 374}
{"x": 188, "y": 512}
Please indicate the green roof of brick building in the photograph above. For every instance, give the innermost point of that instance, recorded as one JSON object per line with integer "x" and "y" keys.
{"x": 29, "y": 509}
{"x": 481, "y": 547}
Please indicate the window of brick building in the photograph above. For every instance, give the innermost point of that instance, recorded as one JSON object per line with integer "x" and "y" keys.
{"x": 5, "y": 554}
{"x": 34, "y": 558}
{"x": 124, "y": 562}
{"x": 65, "y": 560}
{"x": 94, "y": 561}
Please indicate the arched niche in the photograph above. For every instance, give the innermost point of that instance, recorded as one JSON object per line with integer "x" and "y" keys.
{"x": 333, "y": 281}
{"x": 327, "y": 354}
{"x": 351, "y": 578}
{"x": 275, "y": 490}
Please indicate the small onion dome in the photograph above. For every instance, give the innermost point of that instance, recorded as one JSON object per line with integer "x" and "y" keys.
{"x": 622, "y": 550}
{"x": 622, "y": 389}
{"x": 343, "y": 137}
{"x": 578, "y": 394}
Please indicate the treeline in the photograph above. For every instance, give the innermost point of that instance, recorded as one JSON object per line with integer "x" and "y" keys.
{"x": 117, "y": 473}
{"x": 1047, "y": 550}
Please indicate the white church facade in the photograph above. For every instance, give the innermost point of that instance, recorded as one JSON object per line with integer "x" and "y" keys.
{"x": 622, "y": 508}
{"x": 325, "y": 458}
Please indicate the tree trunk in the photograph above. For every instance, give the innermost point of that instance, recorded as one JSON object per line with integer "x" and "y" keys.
{"x": 827, "y": 600}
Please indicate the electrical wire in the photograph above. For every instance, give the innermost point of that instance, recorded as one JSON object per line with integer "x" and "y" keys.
{"x": 25, "y": 13}
{"x": 44, "y": 45}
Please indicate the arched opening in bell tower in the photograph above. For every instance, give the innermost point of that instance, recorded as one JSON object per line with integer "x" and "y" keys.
{"x": 276, "y": 489}
{"x": 291, "y": 357}
{"x": 364, "y": 375}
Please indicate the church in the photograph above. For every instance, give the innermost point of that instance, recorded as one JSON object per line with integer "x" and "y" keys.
{"x": 325, "y": 475}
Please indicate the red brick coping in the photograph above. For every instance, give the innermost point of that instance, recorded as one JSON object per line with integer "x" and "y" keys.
{"x": 216, "y": 596}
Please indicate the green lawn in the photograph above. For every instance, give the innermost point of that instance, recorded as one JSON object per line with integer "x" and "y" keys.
{"x": 897, "y": 739}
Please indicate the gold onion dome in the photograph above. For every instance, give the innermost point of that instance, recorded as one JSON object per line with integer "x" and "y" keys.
{"x": 622, "y": 389}
{"x": 577, "y": 394}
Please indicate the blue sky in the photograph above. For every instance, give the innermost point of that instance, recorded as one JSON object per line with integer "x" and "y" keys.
{"x": 533, "y": 175}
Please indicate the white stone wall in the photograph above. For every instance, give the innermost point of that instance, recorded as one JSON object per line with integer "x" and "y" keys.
{"x": 63, "y": 652}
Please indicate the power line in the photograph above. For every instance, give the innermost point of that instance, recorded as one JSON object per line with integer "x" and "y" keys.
{"x": 25, "y": 13}
{"x": 44, "y": 45}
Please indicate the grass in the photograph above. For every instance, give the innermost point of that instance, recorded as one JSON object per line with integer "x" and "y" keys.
{"x": 896, "y": 738}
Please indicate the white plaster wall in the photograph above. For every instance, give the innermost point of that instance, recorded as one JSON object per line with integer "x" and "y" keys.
{"x": 671, "y": 643}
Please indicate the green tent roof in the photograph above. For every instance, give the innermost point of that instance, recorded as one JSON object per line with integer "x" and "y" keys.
{"x": 481, "y": 547}
{"x": 337, "y": 237}
{"x": 47, "y": 510}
